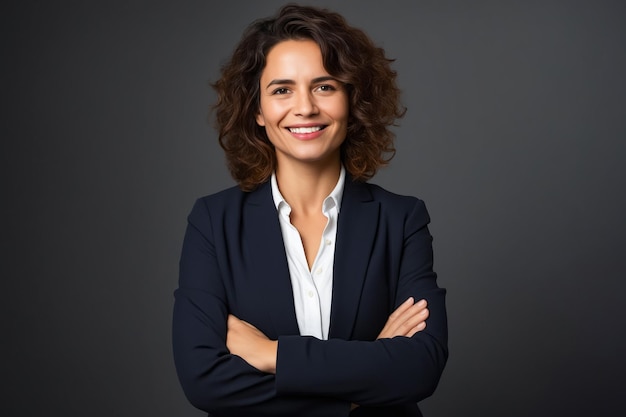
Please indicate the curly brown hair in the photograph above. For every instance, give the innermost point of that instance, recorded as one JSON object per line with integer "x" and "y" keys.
{"x": 348, "y": 55}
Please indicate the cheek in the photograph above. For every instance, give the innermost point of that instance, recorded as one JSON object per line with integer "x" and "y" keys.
{"x": 271, "y": 113}
{"x": 343, "y": 110}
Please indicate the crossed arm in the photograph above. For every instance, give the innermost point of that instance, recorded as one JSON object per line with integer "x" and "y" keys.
{"x": 249, "y": 343}
{"x": 227, "y": 366}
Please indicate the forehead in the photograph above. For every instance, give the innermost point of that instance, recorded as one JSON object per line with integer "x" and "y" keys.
{"x": 297, "y": 57}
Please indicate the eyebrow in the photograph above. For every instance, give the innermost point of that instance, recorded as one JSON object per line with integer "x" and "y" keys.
{"x": 292, "y": 82}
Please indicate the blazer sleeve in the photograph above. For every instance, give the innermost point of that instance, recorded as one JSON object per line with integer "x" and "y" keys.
{"x": 386, "y": 371}
{"x": 214, "y": 380}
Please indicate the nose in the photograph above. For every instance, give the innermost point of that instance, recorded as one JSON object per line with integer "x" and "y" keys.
{"x": 305, "y": 104}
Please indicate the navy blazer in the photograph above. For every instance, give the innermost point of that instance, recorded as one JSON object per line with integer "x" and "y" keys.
{"x": 233, "y": 261}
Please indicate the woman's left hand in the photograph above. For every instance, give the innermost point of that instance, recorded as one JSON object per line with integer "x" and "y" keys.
{"x": 408, "y": 319}
{"x": 249, "y": 343}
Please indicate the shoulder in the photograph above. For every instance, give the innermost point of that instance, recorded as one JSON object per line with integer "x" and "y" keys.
{"x": 212, "y": 211}
{"x": 395, "y": 208}
{"x": 392, "y": 201}
{"x": 230, "y": 201}
{"x": 383, "y": 195}
{"x": 222, "y": 198}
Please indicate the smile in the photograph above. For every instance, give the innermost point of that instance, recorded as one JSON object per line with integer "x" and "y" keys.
{"x": 305, "y": 130}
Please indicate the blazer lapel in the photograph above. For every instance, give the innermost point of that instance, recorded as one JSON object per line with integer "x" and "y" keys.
{"x": 269, "y": 261}
{"x": 356, "y": 231}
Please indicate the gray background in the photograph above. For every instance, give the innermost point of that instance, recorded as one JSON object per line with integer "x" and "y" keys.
{"x": 515, "y": 137}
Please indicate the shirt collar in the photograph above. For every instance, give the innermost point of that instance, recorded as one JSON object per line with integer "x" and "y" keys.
{"x": 335, "y": 195}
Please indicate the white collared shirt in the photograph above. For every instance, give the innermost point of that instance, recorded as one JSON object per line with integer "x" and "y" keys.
{"x": 312, "y": 289}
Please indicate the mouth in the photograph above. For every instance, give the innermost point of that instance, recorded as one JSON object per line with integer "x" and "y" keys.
{"x": 305, "y": 130}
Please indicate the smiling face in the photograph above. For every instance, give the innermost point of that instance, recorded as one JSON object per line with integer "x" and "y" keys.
{"x": 303, "y": 108}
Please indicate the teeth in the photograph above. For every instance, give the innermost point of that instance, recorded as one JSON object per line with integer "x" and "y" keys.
{"x": 305, "y": 129}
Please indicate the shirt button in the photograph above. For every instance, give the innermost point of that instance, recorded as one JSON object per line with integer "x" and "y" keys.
{"x": 318, "y": 270}
{"x": 310, "y": 294}
{"x": 328, "y": 242}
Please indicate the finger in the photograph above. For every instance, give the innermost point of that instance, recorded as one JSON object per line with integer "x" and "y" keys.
{"x": 409, "y": 320}
{"x": 421, "y": 304}
{"x": 402, "y": 321}
{"x": 413, "y": 324}
{"x": 408, "y": 314}
{"x": 410, "y": 310}
{"x": 417, "y": 329}
{"x": 402, "y": 308}
{"x": 407, "y": 326}
{"x": 403, "y": 313}
{"x": 415, "y": 320}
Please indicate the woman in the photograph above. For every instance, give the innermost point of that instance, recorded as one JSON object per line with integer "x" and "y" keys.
{"x": 306, "y": 291}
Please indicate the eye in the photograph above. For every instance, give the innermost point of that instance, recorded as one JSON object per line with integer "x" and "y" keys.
{"x": 326, "y": 87}
{"x": 280, "y": 91}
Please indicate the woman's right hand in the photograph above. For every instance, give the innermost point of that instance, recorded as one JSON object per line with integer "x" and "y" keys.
{"x": 408, "y": 319}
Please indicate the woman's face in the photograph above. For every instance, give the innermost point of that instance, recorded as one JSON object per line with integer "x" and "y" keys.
{"x": 304, "y": 109}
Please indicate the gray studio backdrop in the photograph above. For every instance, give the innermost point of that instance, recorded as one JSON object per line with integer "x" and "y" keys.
{"x": 515, "y": 138}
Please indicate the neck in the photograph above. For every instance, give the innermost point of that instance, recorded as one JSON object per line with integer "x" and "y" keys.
{"x": 305, "y": 186}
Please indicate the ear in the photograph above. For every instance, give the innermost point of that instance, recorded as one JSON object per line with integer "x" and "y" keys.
{"x": 260, "y": 120}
